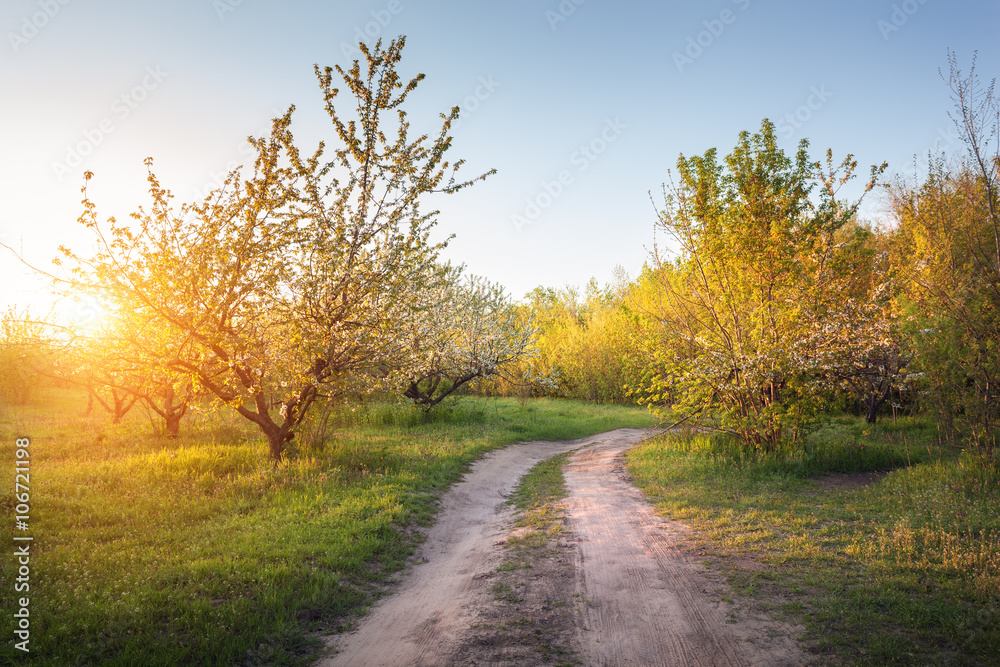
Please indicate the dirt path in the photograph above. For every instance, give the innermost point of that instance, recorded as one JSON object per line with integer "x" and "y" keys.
{"x": 437, "y": 601}
{"x": 641, "y": 601}
{"x": 648, "y": 603}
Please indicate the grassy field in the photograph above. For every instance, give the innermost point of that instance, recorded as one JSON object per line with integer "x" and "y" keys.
{"x": 903, "y": 570}
{"x": 151, "y": 551}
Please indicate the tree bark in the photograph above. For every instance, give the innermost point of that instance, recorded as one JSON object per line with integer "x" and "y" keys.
{"x": 276, "y": 439}
{"x": 873, "y": 402}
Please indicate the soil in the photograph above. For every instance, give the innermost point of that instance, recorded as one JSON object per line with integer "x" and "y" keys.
{"x": 857, "y": 480}
{"x": 612, "y": 588}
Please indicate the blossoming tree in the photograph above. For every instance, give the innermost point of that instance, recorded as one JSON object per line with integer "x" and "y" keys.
{"x": 294, "y": 281}
{"x": 753, "y": 235}
{"x": 470, "y": 330}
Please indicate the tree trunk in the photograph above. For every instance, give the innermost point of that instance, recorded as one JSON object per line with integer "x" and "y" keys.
{"x": 172, "y": 414}
{"x": 277, "y": 446}
{"x": 873, "y": 402}
{"x": 120, "y": 409}
{"x": 172, "y": 424}
{"x": 277, "y": 438}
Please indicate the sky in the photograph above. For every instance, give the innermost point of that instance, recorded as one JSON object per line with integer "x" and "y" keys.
{"x": 582, "y": 106}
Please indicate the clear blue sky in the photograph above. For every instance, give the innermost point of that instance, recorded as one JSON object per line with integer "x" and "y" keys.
{"x": 101, "y": 85}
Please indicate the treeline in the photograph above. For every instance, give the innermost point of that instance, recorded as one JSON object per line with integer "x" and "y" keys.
{"x": 768, "y": 303}
{"x": 588, "y": 346}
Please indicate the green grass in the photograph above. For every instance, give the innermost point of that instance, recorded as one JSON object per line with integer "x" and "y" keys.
{"x": 536, "y": 499}
{"x": 904, "y": 571}
{"x": 504, "y": 593}
{"x": 197, "y": 551}
{"x": 543, "y": 484}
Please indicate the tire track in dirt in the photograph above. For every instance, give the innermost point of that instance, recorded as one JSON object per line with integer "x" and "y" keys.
{"x": 423, "y": 621}
{"x": 642, "y": 601}
{"x": 646, "y": 602}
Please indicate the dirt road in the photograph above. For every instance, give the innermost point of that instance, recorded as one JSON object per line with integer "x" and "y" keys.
{"x": 647, "y": 602}
{"x": 642, "y": 601}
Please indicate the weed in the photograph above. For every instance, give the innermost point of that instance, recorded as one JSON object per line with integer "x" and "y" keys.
{"x": 504, "y": 593}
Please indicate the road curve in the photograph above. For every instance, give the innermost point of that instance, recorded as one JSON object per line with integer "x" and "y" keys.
{"x": 644, "y": 602}
{"x": 424, "y": 619}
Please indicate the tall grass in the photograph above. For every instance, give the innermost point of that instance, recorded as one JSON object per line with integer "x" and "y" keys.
{"x": 197, "y": 551}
